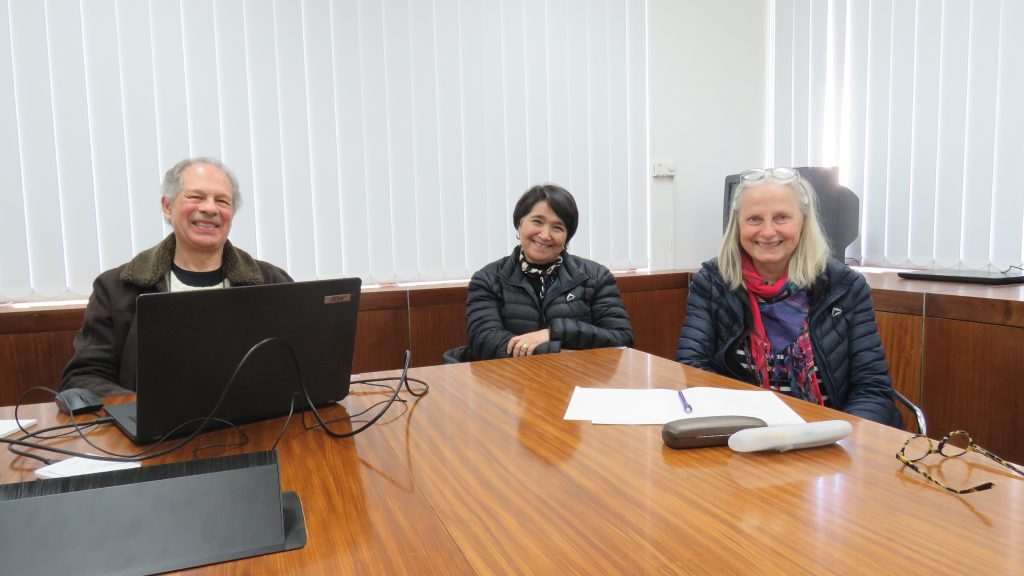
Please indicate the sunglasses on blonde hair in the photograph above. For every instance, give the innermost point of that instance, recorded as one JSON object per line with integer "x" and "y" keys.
{"x": 780, "y": 175}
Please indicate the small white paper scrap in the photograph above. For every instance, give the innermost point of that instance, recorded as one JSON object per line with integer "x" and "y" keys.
{"x": 76, "y": 466}
{"x": 8, "y": 427}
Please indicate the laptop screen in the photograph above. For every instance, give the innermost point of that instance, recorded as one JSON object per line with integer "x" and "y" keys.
{"x": 190, "y": 344}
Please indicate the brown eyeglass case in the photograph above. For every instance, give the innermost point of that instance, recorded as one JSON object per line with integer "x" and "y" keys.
{"x": 705, "y": 431}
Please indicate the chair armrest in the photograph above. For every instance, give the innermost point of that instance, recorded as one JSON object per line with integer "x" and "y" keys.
{"x": 922, "y": 427}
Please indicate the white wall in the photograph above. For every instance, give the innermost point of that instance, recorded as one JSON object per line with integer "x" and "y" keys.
{"x": 707, "y": 75}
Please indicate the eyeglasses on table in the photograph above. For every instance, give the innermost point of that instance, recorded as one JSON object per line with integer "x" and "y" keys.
{"x": 953, "y": 445}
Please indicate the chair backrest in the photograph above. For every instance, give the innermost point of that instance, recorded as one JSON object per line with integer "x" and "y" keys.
{"x": 838, "y": 207}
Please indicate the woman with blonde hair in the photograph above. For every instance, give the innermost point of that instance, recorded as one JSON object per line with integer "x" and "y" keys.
{"x": 774, "y": 310}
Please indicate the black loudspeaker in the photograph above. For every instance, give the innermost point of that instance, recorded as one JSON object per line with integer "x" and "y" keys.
{"x": 150, "y": 519}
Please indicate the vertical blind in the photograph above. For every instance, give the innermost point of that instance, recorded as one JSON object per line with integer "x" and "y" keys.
{"x": 386, "y": 139}
{"x": 921, "y": 105}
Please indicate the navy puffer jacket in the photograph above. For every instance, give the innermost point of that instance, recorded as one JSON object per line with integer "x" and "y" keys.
{"x": 582, "y": 307}
{"x": 847, "y": 348}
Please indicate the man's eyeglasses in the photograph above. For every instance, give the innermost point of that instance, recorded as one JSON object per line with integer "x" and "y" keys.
{"x": 953, "y": 445}
{"x": 780, "y": 175}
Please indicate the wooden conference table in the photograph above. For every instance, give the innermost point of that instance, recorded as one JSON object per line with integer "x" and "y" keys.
{"x": 483, "y": 476}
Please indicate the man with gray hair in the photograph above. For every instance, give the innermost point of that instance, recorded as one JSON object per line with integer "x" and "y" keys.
{"x": 199, "y": 199}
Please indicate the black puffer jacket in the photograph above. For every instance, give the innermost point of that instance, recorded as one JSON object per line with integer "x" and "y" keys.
{"x": 847, "y": 348}
{"x": 582, "y": 308}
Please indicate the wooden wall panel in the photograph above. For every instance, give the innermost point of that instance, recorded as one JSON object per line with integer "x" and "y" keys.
{"x": 435, "y": 329}
{"x": 14, "y": 321}
{"x": 898, "y": 301}
{"x": 382, "y": 331}
{"x": 903, "y": 343}
{"x": 973, "y": 376}
{"x": 427, "y": 320}
{"x": 657, "y": 317}
{"x": 35, "y": 345}
{"x": 382, "y": 337}
{"x": 990, "y": 310}
{"x": 437, "y": 322}
{"x": 33, "y": 359}
{"x": 635, "y": 282}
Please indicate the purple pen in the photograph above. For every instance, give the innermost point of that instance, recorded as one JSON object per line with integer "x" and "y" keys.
{"x": 686, "y": 405}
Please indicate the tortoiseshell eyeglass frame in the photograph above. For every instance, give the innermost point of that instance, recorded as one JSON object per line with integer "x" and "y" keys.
{"x": 943, "y": 450}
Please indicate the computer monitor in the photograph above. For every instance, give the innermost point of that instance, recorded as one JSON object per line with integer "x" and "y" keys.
{"x": 190, "y": 343}
{"x": 838, "y": 207}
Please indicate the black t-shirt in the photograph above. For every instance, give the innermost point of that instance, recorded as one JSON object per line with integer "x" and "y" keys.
{"x": 198, "y": 279}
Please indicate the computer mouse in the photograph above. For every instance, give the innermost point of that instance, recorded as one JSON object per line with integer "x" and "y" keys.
{"x": 74, "y": 401}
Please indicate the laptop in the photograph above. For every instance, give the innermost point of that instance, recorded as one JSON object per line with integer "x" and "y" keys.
{"x": 966, "y": 276}
{"x": 190, "y": 343}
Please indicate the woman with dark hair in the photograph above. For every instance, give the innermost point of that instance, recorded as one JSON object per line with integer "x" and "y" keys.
{"x": 540, "y": 298}
{"x": 775, "y": 311}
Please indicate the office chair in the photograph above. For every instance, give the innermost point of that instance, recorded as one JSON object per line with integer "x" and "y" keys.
{"x": 922, "y": 426}
{"x": 457, "y": 355}
{"x": 838, "y": 207}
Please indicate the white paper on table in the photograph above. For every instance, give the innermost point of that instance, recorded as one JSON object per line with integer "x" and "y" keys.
{"x": 77, "y": 466}
{"x": 659, "y": 405}
{"x": 8, "y": 427}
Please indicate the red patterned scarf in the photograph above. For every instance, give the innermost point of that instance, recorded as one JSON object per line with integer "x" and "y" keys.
{"x": 760, "y": 345}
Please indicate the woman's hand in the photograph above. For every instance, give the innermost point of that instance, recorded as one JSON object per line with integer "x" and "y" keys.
{"x": 525, "y": 344}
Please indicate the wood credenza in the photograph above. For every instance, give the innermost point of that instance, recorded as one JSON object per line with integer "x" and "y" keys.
{"x": 956, "y": 351}
{"x": 953, "y": 349}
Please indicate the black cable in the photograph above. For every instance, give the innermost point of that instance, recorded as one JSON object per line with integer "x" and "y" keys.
{"x": 239, "y": 443}
{"x": 347, "y": 417}
{"x": 403, "y": 377}
{"x": 287, "y": 421}
{"x": 36, "y": 435}
{"x": 316, "y": 414}
{"x": 142, "y": 454}
{"x": 372, "y": 382}
{"x": 114, "y": 457}
{"x": 17, "y": 405}
{"x": 321, "y": 423}
{"x": 409, "y": 487}
{"x": 145, "y": 454}
{"x": 370, "y": 407}
{"x": 404, "y": 380}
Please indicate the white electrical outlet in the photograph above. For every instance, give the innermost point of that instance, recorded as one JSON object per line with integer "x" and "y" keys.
{"x": 664, "y": 169}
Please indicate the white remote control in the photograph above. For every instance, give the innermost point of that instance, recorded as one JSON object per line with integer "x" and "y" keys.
{"x": 793, "y": 436}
